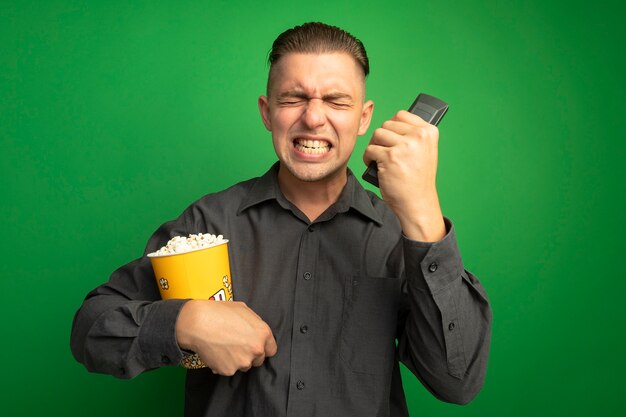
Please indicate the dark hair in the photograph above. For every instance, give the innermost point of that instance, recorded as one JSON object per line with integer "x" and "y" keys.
{"x": 316, "y": 38}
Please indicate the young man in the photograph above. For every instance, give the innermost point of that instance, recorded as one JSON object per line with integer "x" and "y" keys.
{"x": 327, "y": 276}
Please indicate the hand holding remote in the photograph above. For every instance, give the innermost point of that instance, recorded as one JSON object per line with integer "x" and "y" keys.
{"x": 405, "y": 151}
{"x": 429, "y": 108}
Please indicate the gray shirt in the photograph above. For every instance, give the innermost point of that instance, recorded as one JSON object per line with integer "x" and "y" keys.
{"x": 347, "y": 297}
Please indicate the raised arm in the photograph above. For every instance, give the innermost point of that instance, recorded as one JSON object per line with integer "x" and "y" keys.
{"x": 444, "y": 334}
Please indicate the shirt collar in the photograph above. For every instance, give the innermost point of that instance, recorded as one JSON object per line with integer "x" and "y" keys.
{"x": 353, "y": 195}
{"x": 265, "y": 188}
{"x": 362, "y": 200}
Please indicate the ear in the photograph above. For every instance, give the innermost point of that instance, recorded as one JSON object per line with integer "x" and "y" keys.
{"x": 264, "y": 109}
{"x": 366, "y": 117}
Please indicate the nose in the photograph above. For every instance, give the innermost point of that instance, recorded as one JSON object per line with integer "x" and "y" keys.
{"x": 314, "y": 115}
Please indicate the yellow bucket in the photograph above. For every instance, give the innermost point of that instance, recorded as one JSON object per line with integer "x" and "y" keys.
{"x": 202, "y": 274}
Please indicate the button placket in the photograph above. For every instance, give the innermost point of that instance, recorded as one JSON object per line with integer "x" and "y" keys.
{"x": 302, "y": 348}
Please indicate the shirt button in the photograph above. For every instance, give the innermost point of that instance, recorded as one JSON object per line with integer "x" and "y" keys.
{"x": 433, "y": 267}
{"x": 451, "y": 326}
{"x": 307, "y": 276}
{"x": 165, "y": 359}
{"x": 122, "y": 371}
{"x": 304, "y": 328}
{"x": 311, "y": 229}
{"x": 300, "y": 385}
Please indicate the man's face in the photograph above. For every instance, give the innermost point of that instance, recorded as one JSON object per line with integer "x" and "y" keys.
{"x": 315, "y": 111}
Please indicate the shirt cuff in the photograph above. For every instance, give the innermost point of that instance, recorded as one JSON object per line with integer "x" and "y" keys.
{"x": 157, "y": 337}
{"x": 431, "y": 266}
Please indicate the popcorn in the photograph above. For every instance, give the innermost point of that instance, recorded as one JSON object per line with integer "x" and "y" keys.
{"x": 181, "y": 244}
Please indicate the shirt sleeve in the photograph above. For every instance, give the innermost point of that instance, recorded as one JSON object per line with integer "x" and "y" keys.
{"x": 123, "y": 328}
{"x": 445, "y": 327}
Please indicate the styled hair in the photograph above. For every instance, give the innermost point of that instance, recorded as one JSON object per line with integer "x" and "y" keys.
{"x": 317, "y": 38}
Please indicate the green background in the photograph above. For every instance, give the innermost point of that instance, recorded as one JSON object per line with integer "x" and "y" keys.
{"x": 114, "y": 116}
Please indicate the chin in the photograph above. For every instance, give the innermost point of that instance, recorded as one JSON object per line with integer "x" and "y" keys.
{"x": 314, "y": 175}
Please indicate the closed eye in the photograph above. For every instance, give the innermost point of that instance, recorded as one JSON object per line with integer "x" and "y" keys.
{"x": 290, "y": 102}
{"x": 340, "y": 105}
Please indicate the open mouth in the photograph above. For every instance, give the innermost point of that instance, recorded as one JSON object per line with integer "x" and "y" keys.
{"x": 310, "y": 146}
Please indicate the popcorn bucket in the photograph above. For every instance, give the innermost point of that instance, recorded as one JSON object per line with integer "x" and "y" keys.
{"x": 202, "y": 274}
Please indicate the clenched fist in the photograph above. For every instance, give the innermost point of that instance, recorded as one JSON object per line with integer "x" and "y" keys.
{"x": 228, "y": 336}
{"x": 405, "y": 149}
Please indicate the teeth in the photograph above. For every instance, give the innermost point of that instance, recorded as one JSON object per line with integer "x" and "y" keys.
{"x": 312, "y": 146}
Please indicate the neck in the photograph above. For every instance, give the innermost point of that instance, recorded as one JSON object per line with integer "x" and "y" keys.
{"x": 312, "y": 197}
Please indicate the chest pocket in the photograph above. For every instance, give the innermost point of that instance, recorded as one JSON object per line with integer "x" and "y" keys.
{"x": 369, "y": 322}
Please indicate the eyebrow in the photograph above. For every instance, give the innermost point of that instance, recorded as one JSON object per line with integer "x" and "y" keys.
{"x": 303, "y": 95}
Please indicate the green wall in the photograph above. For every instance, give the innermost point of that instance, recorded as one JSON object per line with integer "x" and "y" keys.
{"x": 115, "y": 115}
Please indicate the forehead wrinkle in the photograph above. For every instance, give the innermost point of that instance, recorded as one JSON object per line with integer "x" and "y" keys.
{"x": 284, "y": 76}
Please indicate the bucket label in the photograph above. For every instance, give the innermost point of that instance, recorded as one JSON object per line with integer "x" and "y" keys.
{"x": 228, "y": 286}
{"x": 219, "y": 296}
